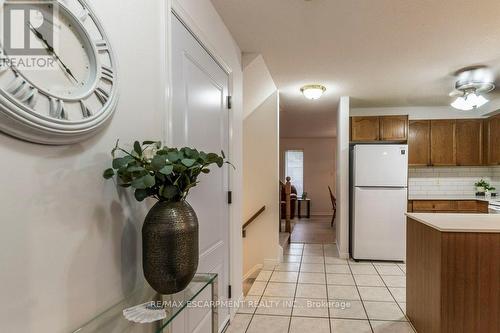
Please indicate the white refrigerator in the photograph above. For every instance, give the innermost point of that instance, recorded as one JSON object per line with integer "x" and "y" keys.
{"x": 379, "y": 202}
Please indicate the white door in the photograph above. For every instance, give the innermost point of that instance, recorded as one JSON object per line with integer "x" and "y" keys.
{"x": 200, "y": 120}
{"x": 379, "y": 225}
{"x": 381, "y": 165}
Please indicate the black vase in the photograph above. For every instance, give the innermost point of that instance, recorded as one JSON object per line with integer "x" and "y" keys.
{"x": 170, "y": 246}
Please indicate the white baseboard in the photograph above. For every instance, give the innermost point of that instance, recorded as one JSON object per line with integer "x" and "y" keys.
{"x": 343, "y": 255}
{"x": 252, "y": 271}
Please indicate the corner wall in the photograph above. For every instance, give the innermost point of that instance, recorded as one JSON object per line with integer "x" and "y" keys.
{"x": 342, "y": 231}
{"x": 261, "y": 165}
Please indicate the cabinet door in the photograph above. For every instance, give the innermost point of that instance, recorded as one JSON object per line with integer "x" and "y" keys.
{"x": 364, "y": 128}
{"x": 443, "y": 142}
{"x": 394, "y": 128}
{"x": 469, "y": 138}
{"x": 493, "y": 140}
{"x": 419, "y": 143}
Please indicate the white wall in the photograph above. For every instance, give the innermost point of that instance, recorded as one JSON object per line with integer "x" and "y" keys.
{"x": 261, "y": 165}
{"x": 342, "y": 192}
{"x": 319, "y": 169}
{"x": 70, "y": 246}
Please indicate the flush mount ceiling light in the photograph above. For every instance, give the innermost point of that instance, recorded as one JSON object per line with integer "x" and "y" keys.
{"x": 313, "y": 91}
{"x": 472, "y": 83}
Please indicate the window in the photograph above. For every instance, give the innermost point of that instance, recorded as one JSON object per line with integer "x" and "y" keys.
{"x": 294, "y": 168}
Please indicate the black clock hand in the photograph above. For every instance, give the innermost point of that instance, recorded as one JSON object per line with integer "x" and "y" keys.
{"x": 52, "y": 52}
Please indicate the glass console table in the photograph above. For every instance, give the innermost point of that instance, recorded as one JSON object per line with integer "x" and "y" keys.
{"x": 113, "y": 321}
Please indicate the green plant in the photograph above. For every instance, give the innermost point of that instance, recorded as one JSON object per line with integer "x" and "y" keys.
{"x": 484, "y": 184}
{"x": 164, "y": 173}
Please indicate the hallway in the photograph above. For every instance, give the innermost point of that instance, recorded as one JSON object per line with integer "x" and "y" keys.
{"x": 315, "y": 230}
{"x": 313, "y": 290}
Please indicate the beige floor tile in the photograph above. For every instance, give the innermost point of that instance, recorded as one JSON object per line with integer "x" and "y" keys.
{"x": 338, "y": 269}
{"x": 315, "y": 278}
{"x": 289, "y": 277}
{"x": 257, "y": 288}
{"x": 347, "y": 309}
{"x": 288, "y": 266}
{"x": 391, "y": 327}
{"x": 291, "y": 258}
{"x": 384, "y": 311}
{"x": 275, "y": 306}
{"x": 394, "y": 281}
{"x": 389, "y": 269}
{"x": 317, "y": 325}
{"x": 313, "y": 247}
{"x": 311, "y": 291}
{"x": 402, "y": 305}
{"x": 296, "y": 246}
{"x": 269, "y": 266}
{"x": 313, "y": 252}
{"x": 313, "y": 260}
{"x": 363, "y": 269}
{"x": 340, "y": 279}
{"x": 335, "y": 261}
{"x": 398, "y": 293}
{"x": 309, "y": 307}
{"x": 239, "y": 323}
{"x": 312, "y": 268}
{"x": 269, "y": 324}
{"x": 292, "y": 251}
{"x": 403, "y": 267}
{"x": 381, "y": 294}
{"x": 264, "y": 276}
{"x": 275, "y": 289}
{"x": 249, "y": 304}
{"x": 350, "y": 326}
{"x": 333, "y": 252}
{"x": 343, "y": 292}
{"x": 368, "y": 280}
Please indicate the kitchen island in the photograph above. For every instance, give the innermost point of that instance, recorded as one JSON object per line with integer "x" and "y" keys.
{"x": 453, "y": 272}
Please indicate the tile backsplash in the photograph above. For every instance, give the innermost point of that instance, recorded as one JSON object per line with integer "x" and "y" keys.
{"x": 450, "y": 180}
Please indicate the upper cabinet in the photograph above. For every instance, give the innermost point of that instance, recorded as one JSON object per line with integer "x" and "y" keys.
{"x": 419, "y": 139}
{"x": 365, "y": 128}
{"x": 443, "y": 142}
{"x": 492, "y": 135}
{"x": 384, "y": 128}
{"x": 469, "y": 137}
{"x": 394, "y": 128}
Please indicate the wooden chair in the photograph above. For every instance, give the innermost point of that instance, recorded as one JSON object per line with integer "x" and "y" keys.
{"x": 334, "y": 205}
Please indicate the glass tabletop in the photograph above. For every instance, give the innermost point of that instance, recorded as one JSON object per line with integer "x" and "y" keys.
{"x": 113, "y": 321}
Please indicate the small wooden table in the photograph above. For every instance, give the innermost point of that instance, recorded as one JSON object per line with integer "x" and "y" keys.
{"x": 299, "y": 207}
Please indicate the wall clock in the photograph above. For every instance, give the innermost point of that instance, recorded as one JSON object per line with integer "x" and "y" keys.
{"x": 74, "y": 99}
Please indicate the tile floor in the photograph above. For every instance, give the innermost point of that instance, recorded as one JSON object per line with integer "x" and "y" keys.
{"x": 314, "y": 290}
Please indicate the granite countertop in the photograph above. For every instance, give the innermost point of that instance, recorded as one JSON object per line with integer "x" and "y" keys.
{"x": 489, "y": 223}
{"x": 452, "y": 197}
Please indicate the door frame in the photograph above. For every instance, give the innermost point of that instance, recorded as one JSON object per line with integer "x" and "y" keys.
{"x": 169, "y": 8}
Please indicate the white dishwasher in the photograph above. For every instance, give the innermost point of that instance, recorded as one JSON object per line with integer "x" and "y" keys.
{"x": 494, "y": 207}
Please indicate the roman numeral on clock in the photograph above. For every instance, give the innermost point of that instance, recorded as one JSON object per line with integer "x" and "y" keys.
{"x": 107, "y": 73}
{"x": 102, "y": 95}
{"x": 23, "y": 92}
{"x": 85, "y": 110}
{"x": 56, "y": 109}
{"x": 101, "y": 45}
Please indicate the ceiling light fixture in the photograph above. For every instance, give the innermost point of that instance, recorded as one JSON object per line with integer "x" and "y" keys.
{"x": 313, "y": 91}
{"x": 472, "y": 83}
{"x": 469, "y": 101}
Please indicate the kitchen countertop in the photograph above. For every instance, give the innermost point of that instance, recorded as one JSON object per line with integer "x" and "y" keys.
{"x": 484, "y": 223}
{"x": 452, "y": 197}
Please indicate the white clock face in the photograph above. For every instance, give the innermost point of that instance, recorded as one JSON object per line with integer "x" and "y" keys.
{"x": 73, "y": 96}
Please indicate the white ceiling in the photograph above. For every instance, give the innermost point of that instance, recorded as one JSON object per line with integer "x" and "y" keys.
{"x": 379, "y": 52}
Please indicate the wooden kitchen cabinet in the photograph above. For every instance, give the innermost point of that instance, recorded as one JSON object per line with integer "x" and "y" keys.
{"x": 469, "y": 136}
{"x": 365, "y": 128}
{"x": 383, "y": 128}
{"x": 394, "y": 128}
{"x": 443, "y": 142}
{"x": 448, "y": 206}
{"x": 492, "y": 144}
{"x": 419, "y": 143}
